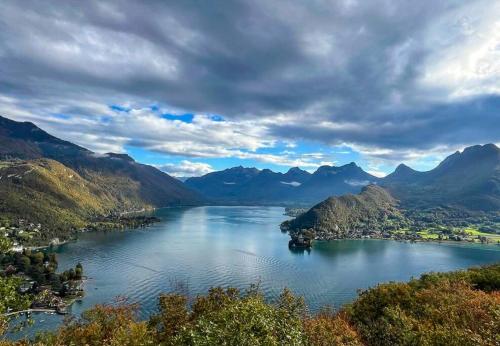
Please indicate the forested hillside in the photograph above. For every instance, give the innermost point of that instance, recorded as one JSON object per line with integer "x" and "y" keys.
{"x": 62, "y": 186}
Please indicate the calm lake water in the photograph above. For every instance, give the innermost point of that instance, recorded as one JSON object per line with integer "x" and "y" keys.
{"x": 197, "y": 248}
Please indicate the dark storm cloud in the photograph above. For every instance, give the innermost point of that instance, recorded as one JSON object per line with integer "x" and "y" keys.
{"x": 335, "y": 71}
{"x": 451, "y": 125}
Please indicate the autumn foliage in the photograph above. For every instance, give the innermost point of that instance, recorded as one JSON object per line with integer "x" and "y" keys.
{"x": 458, "y": 308}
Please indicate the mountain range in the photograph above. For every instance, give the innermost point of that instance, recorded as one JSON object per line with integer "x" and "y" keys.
{"x": 239, "y": 185}
{"x": 464, "y": 189}
{"x": 469, "y": 179}
{"x": 49, "y": 180}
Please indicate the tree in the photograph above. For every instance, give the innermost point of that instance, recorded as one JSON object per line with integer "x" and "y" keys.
{"x": 78, "y": 273}
{"x": 458, "y": 308}
{"x": 10, "y": 299}
{"x": 38, "y": 258}
{"x": 465, "y": 306}
{"x": 64, "y": 276}
{"x": 5, "y": 244}
{"x": 71, "y": 274}
{"x": 103, "y": 325}
{"x": 328, "y": 328}
{"x": 55, "y": 282}
{"x": 24, "y": 264}
{"x": 230, "y": 318}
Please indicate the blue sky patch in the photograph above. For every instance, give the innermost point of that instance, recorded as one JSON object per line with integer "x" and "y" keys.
{"x": 186, "y": 118}
{"x": 118, "y": 108}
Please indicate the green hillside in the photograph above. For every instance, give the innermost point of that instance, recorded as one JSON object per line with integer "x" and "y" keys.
{"x": 350, "y": 216}
{"x": 63, "y": 186}
{"x": 469, "y": 179}
{"x": 129, "y": 182}
{"x": 45, "y": 191}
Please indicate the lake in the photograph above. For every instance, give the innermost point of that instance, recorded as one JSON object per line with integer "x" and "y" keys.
{"x": 193, "y": 249}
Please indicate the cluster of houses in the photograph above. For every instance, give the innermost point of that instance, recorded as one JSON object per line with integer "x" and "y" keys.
{"x": 20, "y": 233}
{"x": 305, "y": 237}
{"x": 45, "y": 298}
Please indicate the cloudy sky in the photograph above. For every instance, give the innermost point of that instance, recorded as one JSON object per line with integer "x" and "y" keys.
{"x": 195, "y": 86}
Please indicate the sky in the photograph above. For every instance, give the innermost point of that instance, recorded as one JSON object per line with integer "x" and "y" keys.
{"x": 197, "y": 86}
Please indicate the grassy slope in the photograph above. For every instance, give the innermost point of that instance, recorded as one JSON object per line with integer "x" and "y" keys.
{"x": 63, "y": 186}
{"x": 47, "y": 192}
{"x": 471, "y": 231}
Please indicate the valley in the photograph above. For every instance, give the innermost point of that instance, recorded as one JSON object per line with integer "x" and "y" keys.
{"x": 193, "y": 249}
{"x": 249, "y": 173}
{"x": 459, "y": 200}
{"x": 58, "y": 199}
{"x": 66, "y": 188}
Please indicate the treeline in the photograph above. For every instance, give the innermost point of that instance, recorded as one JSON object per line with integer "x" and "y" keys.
{"x": 458, "y": 308}
{"x": 111, "y": 223}
{"x": 450, "y": 217}
{"x": 39, "y": 267}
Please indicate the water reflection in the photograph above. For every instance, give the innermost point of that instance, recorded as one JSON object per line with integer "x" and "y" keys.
{"x": 299, "y": 251}
{"x": 238, "y": 246}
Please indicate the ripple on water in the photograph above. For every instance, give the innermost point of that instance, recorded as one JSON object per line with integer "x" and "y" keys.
{"x": 194, "y": 249}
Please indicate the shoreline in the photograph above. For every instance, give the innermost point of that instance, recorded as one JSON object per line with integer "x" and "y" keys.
{"x": 74, "y": 235}
{"x": 431, "y": 241}
{"x": 276, "y": 247}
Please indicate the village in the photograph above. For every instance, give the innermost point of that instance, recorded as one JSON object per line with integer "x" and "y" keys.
{"x": 35, "y": 270}
{"x": 305, "y": 237}
{"x": 20, "y": 233}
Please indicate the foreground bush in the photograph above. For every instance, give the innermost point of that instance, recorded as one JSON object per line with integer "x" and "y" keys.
{"x": 226, "y": 317}
{"x": 330, "y": 329}
{"x": 103, "y": 325}
{"x": 447, "y": 313}
{"x": 459, "y": 308}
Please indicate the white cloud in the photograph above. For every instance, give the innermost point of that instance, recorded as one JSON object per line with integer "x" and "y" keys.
{"x": 376, "y": 173}
{"x": 186, "y": 169}
{"x": 111, "y": 131}
{"x": 373, "y": 74}
{"x": 465, "y": 44}
{"x": 354, "y": 182}
{"x": 291, "y": 183}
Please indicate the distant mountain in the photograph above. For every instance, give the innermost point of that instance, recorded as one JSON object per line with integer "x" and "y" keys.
{"x": 241, "y": 185}
{"x": 335, "y": 181}
{"x": 402, "y": 174}
{"x": 223, "y": 186}
{"x": 469, "y": 179}
{"x": 348, "y": 216}
{"x": 463, "y": 188}
{"x": 297, "y": 174}
{"x": 128, "y": 184}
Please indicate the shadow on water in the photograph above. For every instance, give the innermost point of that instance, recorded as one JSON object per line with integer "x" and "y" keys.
{"x": 299, "y": 251}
